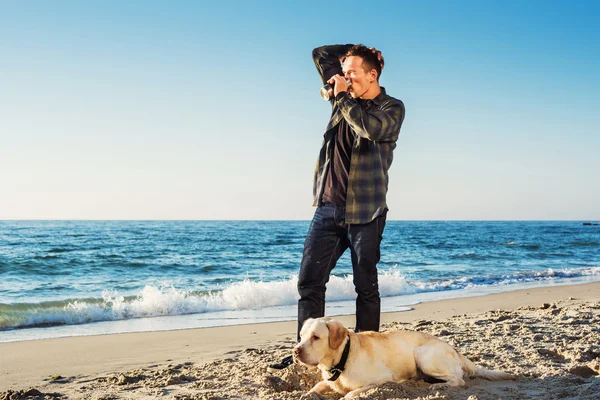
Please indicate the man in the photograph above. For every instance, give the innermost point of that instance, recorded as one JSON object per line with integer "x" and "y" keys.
{"x": 350, "y": 182}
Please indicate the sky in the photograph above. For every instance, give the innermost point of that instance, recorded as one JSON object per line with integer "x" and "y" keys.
{"x": 194, "y": 110}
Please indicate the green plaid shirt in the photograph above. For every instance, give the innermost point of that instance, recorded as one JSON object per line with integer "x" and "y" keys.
{"x": 376, "y": 125}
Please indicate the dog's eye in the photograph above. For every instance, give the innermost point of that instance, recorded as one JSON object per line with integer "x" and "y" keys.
{"x": 316, "y": 338}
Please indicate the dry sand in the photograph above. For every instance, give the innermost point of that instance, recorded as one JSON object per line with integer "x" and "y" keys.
{"x": 549, "y": 337}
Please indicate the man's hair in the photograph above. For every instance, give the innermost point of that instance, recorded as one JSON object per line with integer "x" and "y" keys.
{"x": 369, "y": 58}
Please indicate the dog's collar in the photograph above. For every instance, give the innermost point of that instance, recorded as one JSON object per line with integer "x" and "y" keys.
{"x": 336, "y": 370}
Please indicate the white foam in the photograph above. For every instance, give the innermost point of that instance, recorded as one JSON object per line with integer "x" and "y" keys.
{"x": 167, "y": 300}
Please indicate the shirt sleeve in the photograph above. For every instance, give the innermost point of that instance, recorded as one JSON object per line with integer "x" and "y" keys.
{"x": 327, "y": 59}
{"x": 378, "y": 124}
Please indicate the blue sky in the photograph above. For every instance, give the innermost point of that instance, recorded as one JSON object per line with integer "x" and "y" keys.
{"x": 210, "y": 110}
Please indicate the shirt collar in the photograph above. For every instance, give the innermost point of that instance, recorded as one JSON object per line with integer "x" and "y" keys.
{"x": 377, "y": 100}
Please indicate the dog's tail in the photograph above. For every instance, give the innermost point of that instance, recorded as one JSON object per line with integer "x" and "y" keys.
{"x": 471, "y": 369}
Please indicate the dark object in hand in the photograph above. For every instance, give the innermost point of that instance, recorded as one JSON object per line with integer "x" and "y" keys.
{"x": 324, "y": 92}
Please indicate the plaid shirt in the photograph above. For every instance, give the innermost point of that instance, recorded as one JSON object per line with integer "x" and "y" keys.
{"x": 376, "y": 125}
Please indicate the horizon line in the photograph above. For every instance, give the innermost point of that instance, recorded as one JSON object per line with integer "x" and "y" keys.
{"x": 282, "y": 220}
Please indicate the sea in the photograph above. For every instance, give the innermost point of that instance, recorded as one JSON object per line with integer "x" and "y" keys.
{"x": 73, "y": 278}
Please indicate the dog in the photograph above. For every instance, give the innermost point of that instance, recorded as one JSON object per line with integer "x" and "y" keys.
{"x": 352, "y": 363}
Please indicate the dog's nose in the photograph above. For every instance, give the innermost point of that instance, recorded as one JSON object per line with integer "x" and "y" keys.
{"x": 296, "y": 351}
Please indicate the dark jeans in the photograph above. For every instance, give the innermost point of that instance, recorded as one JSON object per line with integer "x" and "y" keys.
{"x": 327, "y": 239}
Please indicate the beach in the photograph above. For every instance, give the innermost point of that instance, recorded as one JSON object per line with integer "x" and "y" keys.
{"x": 548, "y": 336}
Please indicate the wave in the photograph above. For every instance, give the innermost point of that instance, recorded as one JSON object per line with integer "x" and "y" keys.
{"x": 167, "y": 300}
{"x": 584, "y": 244}
{"x": 60, "y": 250}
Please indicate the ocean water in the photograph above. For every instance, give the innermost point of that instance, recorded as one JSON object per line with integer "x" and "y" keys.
{"x": 66, "y": 278}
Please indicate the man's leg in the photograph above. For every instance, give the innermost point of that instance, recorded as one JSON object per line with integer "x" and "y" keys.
{"x": 324, "y": 245}
{"x": 365, "y": 240}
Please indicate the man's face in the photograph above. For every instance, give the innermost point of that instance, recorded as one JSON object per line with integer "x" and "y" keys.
{"x": 361, "y": 79}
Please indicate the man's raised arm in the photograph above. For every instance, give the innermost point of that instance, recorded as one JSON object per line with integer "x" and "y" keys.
{"x": 327, "y": 59}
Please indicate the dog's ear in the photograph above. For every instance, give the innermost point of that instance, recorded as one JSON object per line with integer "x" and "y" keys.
{"x": 337, "y": 333}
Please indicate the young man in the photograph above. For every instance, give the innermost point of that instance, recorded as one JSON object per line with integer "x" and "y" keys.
{"x": 350, "y": 182}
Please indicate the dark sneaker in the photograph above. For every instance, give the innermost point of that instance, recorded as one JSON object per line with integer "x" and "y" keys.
{"x": 283, "y": 364}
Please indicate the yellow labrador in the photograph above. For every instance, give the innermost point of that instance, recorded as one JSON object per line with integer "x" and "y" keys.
{"x": 352, "y": 363}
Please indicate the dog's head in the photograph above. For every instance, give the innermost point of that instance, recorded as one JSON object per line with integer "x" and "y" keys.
{"x": 319, "y": 339}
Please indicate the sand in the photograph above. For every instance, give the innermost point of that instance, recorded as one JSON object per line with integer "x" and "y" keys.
{"x": 549, "y": 337}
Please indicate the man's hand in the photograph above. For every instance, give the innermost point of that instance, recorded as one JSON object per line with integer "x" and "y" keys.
{"x": 379, "y": 56}
{"x": 340, "y": 84}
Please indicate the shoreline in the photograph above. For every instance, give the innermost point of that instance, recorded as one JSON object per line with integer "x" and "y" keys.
{"x": 33, "y": 363}
{"x": 270, "y": 314}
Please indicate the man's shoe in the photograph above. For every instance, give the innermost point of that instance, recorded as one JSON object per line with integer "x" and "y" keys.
{"x": 285, "y": 362}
